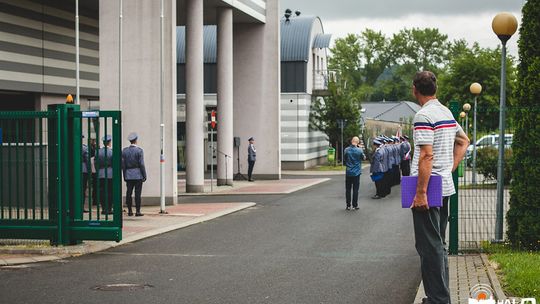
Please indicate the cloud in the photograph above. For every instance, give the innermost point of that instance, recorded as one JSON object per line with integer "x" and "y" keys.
{"x": 387, "y": 9}
{"x": 471, "y": 28}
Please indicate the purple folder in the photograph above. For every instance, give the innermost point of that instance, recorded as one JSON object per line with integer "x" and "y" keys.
{"x": 434, "y": 191}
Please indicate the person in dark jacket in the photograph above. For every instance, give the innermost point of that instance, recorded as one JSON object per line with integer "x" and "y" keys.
{"x": 252, "y": 157}
{"x": 353, "y": 157}
{"x": 134, "y": 173}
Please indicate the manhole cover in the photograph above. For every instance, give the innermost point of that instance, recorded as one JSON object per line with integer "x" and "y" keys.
{"x": 122, "y": 287}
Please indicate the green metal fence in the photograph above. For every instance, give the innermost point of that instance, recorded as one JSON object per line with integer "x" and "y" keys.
{"x": 44, "y": 193}
{"x": 478, "y": 185}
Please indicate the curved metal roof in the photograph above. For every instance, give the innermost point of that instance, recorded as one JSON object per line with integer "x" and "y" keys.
{"x": 209, "y": 44}
{"x": 322, "y": 41}
{"x": 296, "y": 41}
{"x": 296, "y": 38}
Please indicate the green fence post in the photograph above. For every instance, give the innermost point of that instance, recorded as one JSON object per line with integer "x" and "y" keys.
{"x": 73, "y": 162}
{"x": 66, "y": 194}
{"x": 454, "y": 202}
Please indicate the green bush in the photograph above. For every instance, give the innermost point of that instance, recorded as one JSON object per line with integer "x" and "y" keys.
{"x": 523, "y": 217}
{"x": 487, "y": 161}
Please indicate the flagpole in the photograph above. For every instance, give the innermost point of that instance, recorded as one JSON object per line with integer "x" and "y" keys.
{"x": 120, "y": 16}
{"x": 77, "y": 79}
{"x": 162, "y": 124}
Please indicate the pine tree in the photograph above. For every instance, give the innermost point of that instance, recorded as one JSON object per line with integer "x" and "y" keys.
{"x": 524, "y": 214}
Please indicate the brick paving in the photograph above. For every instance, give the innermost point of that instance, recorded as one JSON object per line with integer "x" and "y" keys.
{"x": 466, "y": 271}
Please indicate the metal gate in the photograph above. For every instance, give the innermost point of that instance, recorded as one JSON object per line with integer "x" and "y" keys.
{"x": 44, "y": 193}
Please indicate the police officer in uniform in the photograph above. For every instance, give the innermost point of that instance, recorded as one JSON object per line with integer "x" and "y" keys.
{"x": 252, "y": 157}
{"x": 134, "y": 173}
{"x": 405, "y": 153}
{"x": 84, "y": 169}
{"x": 388, "y": 159}
{"x": 377, "y": 169}
{"x": 103, "y": 163}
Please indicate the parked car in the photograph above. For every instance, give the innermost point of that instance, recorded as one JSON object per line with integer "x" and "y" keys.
{"x": 491, "y": 140}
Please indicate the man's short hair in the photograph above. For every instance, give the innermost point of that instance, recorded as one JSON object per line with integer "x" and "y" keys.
{"x": 425, "y": 83}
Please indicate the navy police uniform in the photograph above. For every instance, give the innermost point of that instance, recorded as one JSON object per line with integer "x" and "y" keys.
{"x": 134, "y": 173}
{"x": 252, "y": 157}
{"x": 103, "y": 163}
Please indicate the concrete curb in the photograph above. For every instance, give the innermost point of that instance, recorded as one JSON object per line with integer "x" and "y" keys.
{"x": 499, "y": 293}
{"x": 298, "y": 188}
{"x": 92, "y": 247}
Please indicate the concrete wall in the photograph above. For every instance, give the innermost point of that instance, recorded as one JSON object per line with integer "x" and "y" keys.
{"x": 141, "y": 83}
{"x": 37, "y": 47}
{"x": 299, "y": 142}
{"x": 257, "y": 92}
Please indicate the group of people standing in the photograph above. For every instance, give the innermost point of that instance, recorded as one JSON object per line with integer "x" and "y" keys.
{"x": 97, "y": 172}
{"x": 391, "y": 155}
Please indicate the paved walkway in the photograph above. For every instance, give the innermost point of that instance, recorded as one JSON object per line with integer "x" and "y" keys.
{"x": 135, "y": 228}
{"x": 466, "y": 271}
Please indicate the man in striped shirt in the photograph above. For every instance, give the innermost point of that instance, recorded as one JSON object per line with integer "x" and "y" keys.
{"x": 439, "y": 146}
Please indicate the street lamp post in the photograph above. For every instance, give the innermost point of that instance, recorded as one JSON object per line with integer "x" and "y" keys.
{"x": 341, "y": 124}
{"x": 475, "y": 89}
{"x": 504, "y": 26}
{"x": 462, "y": 115}
{"x": 467, "y": 108}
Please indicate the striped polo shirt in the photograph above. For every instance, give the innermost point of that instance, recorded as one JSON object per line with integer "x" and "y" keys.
{"x": 435, "y": 125}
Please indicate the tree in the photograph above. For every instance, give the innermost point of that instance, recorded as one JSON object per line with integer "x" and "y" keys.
{"x": 480, "y": 65}
{"x": 346, "y": 60}
{"x": 524, "y": 214}
{"x": 339, "y": 105}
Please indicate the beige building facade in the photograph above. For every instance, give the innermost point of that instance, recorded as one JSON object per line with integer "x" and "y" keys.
{"x": 137, "y": 75}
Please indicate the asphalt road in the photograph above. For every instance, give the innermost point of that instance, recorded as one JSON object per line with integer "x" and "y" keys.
{"x": 297, "y": 248}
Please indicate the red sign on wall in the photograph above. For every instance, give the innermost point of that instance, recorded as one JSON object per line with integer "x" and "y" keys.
{"x": 213, "y": 121}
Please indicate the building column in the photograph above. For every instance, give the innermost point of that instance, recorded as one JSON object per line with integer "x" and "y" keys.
{"x": 225, "y": 96}
{"x": 195, "y": 112}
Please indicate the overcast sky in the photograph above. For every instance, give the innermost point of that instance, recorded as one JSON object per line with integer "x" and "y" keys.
{"x": 468, "y": 19}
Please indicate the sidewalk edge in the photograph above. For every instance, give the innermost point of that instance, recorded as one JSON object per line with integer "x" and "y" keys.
{"x": 499, "y": 293}
{"x": 92, "y": 248}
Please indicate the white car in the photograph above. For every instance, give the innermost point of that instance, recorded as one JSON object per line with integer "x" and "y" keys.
{"x": 491, "y": 140}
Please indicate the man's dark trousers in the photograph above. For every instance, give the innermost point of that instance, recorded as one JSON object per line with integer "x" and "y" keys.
{"x": 84, "y": 187}
{"x": 387, "y": 183}
{"x": 405, "y": 167}
{"x": 251, "y": 164}
{"x": 352, "y": 183}
{"x": 429, "y": 233}
{"x": 105, "y": 194}
{"x": 379, "y": 186}
{"x": 137, "y": 185}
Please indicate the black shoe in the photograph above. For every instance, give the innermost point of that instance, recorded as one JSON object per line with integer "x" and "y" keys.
{"x": 251, "y": 180}
{"x": 356, "y": 208}
{"x": 130, "y": 213}
{"x": 139, "y": 214}
{"x": 348, "y": 208}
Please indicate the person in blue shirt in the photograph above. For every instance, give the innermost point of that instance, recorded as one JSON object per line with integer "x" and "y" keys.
{"x": 353, "y": 157}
